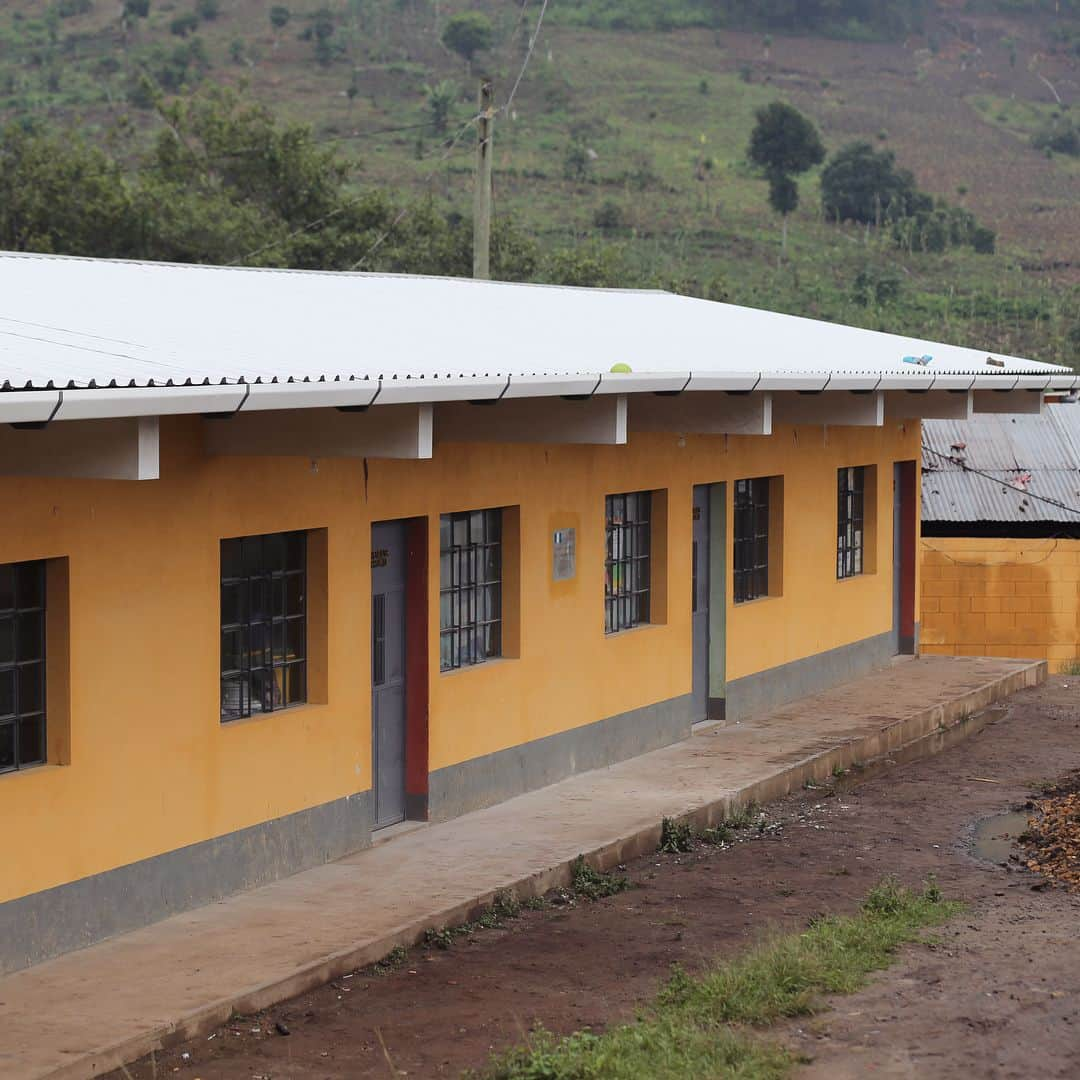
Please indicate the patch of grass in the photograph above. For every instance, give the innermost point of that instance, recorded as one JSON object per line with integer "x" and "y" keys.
{"x": 1070, "y": 667}
{"x": 718, "y": 834}
{"x": 676, "y": 836}
{"x": 594, "y": 884}
{"x": 698, "y": 1025}
{"x": 742, "y": 817}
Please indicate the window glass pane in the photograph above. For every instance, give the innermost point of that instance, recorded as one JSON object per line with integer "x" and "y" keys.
{"x": 295, "y": 683}
{"x": 31, "y": 740}
{"x": 252, "y": 554}
{"x": 232, "y": 645}
{"x": 232, "y": 558}
{"x": 234, "y": 702}
{"x": 31, "y": 688}
{"x": 7, "y": 746}
{"x": 29, "y": 585}
{"x": 273, "y": 552}
{"x": 7, "y": 586}
{"x": 294, "y": 594}
{"x": 296, "y": 551}
{"x": 7, "y": 639}
{"x": 29, "y": 635}
{"x": 294, "y": 639}
{"x": 232, "y": 603}
{"x": 7, "y": 692}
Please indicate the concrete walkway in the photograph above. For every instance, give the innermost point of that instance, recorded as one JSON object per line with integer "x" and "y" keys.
{"x": 85, "y": 1013}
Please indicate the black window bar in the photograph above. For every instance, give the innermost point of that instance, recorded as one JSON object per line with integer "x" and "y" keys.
{"x": 849, "y": 521}
{"x": 751, "y": 577}
{"x": 470, "y": 588}
{"x": 263, "y": 624}
{"x": 627, "y": 566}
{"x": 22, "y": 665}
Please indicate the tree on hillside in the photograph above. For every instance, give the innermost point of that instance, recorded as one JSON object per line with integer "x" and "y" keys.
{"x": 440, "y": 100}
{"x": 863, "y": 184}
{"x": 468, "y": 33}
{"x": 783, "y": 144}
{"x": 133, "y": 9}
{"x": 279, "y": 19}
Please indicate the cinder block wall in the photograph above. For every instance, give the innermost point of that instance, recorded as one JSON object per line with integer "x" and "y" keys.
{"x": 1001, "y": 597}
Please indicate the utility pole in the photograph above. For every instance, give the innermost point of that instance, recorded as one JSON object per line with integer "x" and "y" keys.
{"x": 482, "y": 191}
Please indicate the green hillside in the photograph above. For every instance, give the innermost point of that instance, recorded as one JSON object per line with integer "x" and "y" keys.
{"x": 622, "y": 158}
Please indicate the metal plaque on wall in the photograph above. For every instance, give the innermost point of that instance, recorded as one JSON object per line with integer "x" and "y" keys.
{"x": 564, "y": 554}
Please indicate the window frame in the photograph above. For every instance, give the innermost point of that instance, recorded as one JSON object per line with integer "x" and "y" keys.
{"x": 471, "y": 586}
{"x": 25, "y": 651}
{"x": 267, "y": 597}
{"x": 850, "y": 522}
{"x": 628, "y": 554}
{"x": 751, "y": 555}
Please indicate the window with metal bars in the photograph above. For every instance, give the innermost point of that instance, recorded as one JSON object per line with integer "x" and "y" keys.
{"x": 22, "y": 665}
{"x": 850, "y": 488}
{"x": 470, "y": 588}
{"x": 263, "y": 623}
{"x": 627, "y": 566}
{"x": 751, "y": 577}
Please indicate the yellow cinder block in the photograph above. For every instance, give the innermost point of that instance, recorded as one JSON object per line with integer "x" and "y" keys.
{"x": 1030, "y": 588}
{"x": 1016, "y": 603}
{"x": 930, "y": 605}
{"x": 1015, "y": 572}
{"x": 954, "y": 604}
{"x": 936, "y": 650}
{"x": 997, "y": 588}
{"x": 986, "y": 603}
{"x": 1063, "y": 652}
{"x": 941, "y": 588}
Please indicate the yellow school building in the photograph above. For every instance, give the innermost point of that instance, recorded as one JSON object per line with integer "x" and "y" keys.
{"x": 289, "y": 559}
{"x": 1000, "y": 546}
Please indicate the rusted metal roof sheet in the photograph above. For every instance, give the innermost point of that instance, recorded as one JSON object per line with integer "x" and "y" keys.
{"x": 1039, "y": 455}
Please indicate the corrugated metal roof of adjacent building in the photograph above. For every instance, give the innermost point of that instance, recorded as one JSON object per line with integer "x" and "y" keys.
{"x": 1038, "y": 454}
{"x": 77, "y": 323}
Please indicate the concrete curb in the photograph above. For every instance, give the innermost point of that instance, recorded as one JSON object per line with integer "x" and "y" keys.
{"x": 919, "y": 735}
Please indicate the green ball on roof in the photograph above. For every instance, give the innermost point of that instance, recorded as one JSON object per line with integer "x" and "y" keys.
{"x": 620, "y": 369}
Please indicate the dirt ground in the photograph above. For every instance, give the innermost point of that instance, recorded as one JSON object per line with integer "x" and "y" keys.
{"x": 996, "y": 995}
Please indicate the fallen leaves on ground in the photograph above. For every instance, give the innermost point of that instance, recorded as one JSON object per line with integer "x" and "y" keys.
{"x": 1053, "y": 839}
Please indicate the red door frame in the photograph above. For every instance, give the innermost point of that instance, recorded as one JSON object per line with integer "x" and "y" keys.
{"x": 909, "y": 528}
{"x": 416, "y": 669}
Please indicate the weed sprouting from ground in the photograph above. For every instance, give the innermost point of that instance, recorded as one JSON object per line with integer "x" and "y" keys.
{"x": 391, "y": 961}
{"x": 441, "y": 938}
{"x": 676, "y": 836}
{"x": 1070, "y": 667}
{"x": 505, "y": 904}
{"x": 594, "y": 884}
{"x": 698, "y": 1025}
{"x": 718, "y": 834}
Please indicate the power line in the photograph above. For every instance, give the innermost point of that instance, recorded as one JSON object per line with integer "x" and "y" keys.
{"x": 528, "y": 56}
{"x": 1002, "y": 483}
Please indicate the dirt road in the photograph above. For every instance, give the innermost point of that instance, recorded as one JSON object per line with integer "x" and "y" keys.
{"x": 998, "y": 996}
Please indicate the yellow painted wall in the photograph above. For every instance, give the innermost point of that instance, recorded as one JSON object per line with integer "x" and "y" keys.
{"x": 1001, "y": 597}
{"x": 153, "y": 769}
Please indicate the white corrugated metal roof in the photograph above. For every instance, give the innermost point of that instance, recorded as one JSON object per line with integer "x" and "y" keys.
{"x": 1040, "y": 455}
{"x": 78, "y": 323}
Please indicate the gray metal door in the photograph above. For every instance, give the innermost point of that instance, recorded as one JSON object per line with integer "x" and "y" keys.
{"x": 388, "y": 671}
{"x": 700, "y": 601}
